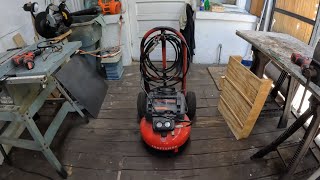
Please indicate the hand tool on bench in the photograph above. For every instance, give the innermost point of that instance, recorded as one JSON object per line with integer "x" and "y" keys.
{"x": 300, "y": 60}
{"x": 304, "y": 63}
{"x": 26, "y": 59}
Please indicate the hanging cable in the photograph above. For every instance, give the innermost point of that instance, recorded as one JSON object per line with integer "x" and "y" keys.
{"x": 163, "y": 76}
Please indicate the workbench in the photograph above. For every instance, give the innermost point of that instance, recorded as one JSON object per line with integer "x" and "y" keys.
{"x": 278, "y": 47}
{"x": 23, "y": 92}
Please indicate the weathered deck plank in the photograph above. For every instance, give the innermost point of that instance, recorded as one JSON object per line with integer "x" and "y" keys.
{"x": 236, "y": 171}
{"x": 110, "y": 147}
{"x": 202, "y": 146}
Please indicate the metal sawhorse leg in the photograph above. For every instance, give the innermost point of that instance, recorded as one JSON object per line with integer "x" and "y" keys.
{"x": 259, "y": 64}
{"x": 283, "y": 76}
{"x": 292, "y": 84}
{"x": 23, "y": 116}
{"x": 5, "y": 155}
{"x": 292, "y": 87}
{"x": 311, "y": 132}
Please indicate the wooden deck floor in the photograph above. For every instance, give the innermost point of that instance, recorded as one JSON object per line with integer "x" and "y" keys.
{"x": 110, "y": 148}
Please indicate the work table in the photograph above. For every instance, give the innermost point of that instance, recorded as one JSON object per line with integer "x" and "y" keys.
{"x": 279, "y": 48}
{"x": 47, "y": 63}
{"x": 28, "y": 90}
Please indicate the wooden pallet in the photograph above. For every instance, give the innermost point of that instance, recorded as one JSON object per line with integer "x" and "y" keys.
{"x": 242, "y": 98}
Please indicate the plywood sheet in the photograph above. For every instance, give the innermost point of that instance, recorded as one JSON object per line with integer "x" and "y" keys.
{"x": 83, "y": 83}
{"x": 216, "y": 72}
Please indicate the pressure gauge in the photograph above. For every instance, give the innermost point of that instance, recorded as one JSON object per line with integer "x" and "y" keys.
{"x": 159, "y": 124}
{"x": 167, "y": 124}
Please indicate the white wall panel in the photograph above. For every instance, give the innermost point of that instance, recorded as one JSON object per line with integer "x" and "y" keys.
{"x": 159, "y": 8}
{"x": 144, "y": 26}
{"x": 212, "y": 29}
{"x": 147, "y": 14}
{"x": 13, "y": 20}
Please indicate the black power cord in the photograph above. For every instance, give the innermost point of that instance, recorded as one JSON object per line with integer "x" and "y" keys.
{"x": 49, "y": 44}
{"x": 158, "y": 77}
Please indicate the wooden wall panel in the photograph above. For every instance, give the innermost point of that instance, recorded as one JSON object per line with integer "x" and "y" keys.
{"x": 147, "y": 14}
{"x": 256, "y": 7}
{"x": 289, "y": 25}
{"x": 306, "y": 8}
{"x": 292, "y": 26}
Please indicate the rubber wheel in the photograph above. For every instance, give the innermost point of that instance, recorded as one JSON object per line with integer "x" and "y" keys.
{"x": 191, "y": 104}
{"x": 141, "y": 104}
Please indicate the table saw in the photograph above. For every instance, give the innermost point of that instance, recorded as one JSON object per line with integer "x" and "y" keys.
{"x": 22, "y": 94}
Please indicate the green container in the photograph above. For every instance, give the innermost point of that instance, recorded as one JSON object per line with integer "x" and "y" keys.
{"x": 207, "y": 5}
